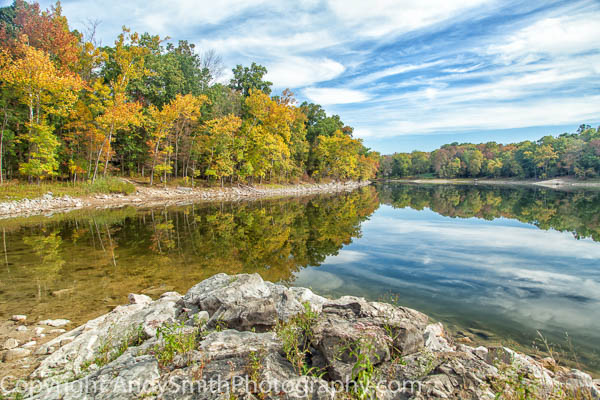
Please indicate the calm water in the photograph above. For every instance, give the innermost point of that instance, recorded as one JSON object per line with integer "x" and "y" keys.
{"x": 494, "y": 263}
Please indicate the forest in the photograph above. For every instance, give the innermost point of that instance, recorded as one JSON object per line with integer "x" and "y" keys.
{"x": 72, "y": 109}
{"x": 570, "y": 154}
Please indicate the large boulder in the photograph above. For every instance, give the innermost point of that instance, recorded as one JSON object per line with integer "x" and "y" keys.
{"x": 83, "y": 344}
{"x": 246, "y": 302}
{"x": 351, "y": 325}
{"x": 127, "y": 377}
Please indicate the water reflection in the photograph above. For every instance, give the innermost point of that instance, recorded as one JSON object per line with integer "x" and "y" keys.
{"x": 497, "y": 263}
{"x": 486, "y": 271}
{"x": 78, "y": 265}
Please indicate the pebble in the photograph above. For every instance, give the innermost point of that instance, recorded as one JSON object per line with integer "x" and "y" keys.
{"x": 29, "y": 344}
{"x": 58, "y": 331}
{"x": 21, "y": 328}
{"x": 10, "y": 344}
{"x": 19, "y": 318}
{"x": 38, "y": 331}
{"x": 57, "y": 323}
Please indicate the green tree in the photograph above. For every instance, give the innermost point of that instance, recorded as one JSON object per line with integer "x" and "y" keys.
{"x": 246, "y": 79}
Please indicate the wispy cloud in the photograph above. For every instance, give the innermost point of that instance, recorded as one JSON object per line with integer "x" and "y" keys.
{"x": 302, "y": 71}
{"x": 393, "y": 68}
{"x": 327, "y": 96}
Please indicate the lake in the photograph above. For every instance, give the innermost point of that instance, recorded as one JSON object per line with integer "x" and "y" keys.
{"x": 497, "y": 264}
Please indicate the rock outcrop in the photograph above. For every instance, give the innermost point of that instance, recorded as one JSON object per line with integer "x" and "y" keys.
{"x": 238, "y": 337}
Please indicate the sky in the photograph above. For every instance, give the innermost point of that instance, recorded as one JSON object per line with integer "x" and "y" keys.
{"x": 406, "y": 74}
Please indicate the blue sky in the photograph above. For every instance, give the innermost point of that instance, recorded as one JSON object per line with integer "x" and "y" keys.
{"x": 407, "y": 74}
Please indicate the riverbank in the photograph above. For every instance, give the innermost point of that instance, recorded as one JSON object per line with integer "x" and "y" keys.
{"x": 239, "y": 337}
{"x": 557, "y": 183}
{"x": 153, "y": 196}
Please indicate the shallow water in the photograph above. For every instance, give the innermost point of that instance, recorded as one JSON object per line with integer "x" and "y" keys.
{"x": 495, "y": 263}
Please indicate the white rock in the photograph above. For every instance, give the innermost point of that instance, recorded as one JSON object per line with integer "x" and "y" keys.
{"x": 57, "y": 323}
{"x": 21, "y": 328}
{"x": 65, "y": 360}
{"x": 139, "y": 299}
{"x": 58, "y": 330}
{"x": 19, "y": 318}
{"x": 29, "y": 344}
{"x": 39, "y": 330}
{"x": 481, "y": 351}
{"x": 435, "y": 338}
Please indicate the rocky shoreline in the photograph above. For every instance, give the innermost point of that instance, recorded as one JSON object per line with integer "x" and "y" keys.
{"x": 154, "y": 196}
{"x": 239, "y": 337}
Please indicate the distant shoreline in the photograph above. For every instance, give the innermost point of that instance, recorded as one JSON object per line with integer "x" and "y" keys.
{"x": 556, "y": 183}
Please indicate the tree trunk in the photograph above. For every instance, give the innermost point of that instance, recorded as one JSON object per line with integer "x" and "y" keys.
{"x": 100, "y": 155}
{"x": 1, "y": 142}
{"x": 107, "y": 153}
{"x": 153, "y": 164}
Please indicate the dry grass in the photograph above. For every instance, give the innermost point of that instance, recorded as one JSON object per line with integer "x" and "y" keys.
{"x": 17, "y": 190}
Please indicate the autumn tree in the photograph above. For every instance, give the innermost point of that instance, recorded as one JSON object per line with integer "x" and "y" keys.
{"x": 45, "y": 30}
{"x": 169, "y": 125}
{"x": 222, "y": 146}
{"x": 46, "y": 92}
{"x": 125, "y": 63}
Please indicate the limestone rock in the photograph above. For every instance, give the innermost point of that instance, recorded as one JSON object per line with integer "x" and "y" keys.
{"x": 139, "y": 299}
{"x": 14, "y": 354}
{"x": 351, "y": 325}
{"x": 128, "y": 377}
{"x": 114, "y": 327}
{"x": 401, "y": 344}
{"x": 245, "y": 302}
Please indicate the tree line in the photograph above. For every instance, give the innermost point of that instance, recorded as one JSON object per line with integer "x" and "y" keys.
{"x": 570, "y": 154}
{"x": 71, "y": 108}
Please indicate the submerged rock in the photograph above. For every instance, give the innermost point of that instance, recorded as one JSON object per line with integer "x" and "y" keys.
{"x": 14, "y": 354}
{"x": 240, "y": 337}
{"x": 10, "y": 343}
{"x": 56, "y": 323}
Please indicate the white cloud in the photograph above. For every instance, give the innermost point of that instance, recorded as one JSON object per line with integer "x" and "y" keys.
{"x": 550, "y": 243}
{"x": 296, "y": 72}
{"x": 562, "y": 37}
{"x": 261, "y": 43}
{"x": 329, "y": 96}
{"x": 382, "y": 17}
{"x": 468, "y": 117}
{"x": 346, "y": 257}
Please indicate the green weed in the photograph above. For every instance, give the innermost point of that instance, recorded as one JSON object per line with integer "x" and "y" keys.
{"x": 173, "y": 340}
